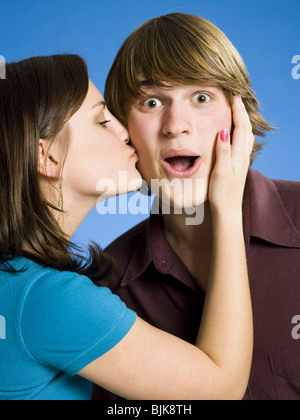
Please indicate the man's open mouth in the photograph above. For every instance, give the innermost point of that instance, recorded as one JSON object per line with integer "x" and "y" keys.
{"x": 182, "y": 163}
{"x": 181, "y": 166}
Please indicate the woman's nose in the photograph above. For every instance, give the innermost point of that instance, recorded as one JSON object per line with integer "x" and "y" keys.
{"x": 121, "y": 131}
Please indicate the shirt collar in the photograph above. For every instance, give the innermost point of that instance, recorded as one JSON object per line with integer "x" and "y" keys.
{"x": 141, "y": 257}
{"x": 265, "y": 215}
{"x": 153, "y": 247}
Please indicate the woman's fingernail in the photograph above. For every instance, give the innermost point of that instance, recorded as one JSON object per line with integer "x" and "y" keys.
{"x": 224, "y": 135}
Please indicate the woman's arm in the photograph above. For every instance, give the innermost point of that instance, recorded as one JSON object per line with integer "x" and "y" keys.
{"x": 230, "y": 345}
{"x": 151, "y": 364}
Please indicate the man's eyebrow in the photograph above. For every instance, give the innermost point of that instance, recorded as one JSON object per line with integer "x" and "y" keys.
{"x": 148, "y": 83}
{"x": 100, "y": 103}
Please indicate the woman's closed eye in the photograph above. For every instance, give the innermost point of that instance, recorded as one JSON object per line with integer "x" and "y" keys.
{"x": 104, "y": 123}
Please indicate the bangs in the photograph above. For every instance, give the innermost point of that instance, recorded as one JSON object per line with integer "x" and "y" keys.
{"x": 167, "y": 54}
{"x": 165, "y": 59}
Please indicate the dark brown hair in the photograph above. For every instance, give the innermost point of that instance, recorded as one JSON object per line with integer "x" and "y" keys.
{"x": 180, "y": 49}
{"x": 37, "y": 98}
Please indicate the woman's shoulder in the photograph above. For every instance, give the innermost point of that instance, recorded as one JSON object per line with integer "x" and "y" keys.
{"x": 63, "y": 319}
{"x": 46, "y": 289}
{"x": 26, "y": 267}
{"x": 26, "y": 272}
{"x": 31, "y": 282}
{"x": 45, "y": 293}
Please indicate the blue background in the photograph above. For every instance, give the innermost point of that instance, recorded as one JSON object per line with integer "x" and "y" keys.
{"x": 266, "y": 33}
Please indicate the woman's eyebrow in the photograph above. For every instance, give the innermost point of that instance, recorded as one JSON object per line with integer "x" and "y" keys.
{"x": 100, "y": 103}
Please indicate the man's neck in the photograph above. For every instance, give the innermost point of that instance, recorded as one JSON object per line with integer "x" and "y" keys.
{"x": 193, "y": 244}
{"x": 177, "y": 231}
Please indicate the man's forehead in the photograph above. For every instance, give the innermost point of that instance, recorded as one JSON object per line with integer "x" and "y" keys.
{"x": 151, "y": 83}
{"x": 155, "y": 81}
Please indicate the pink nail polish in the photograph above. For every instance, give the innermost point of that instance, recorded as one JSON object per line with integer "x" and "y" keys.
{"x": 224, "y": 135}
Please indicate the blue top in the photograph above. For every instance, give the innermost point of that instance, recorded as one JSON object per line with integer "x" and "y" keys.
{"x": 53, "y": 324}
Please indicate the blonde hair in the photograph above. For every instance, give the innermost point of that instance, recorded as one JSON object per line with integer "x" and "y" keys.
{"x": 180, "y": 49}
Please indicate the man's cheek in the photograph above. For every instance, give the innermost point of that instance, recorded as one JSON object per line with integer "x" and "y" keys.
{"x": 146, "y": 166}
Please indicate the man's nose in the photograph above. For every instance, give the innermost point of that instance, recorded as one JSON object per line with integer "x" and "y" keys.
{"x": 175, "y": 121}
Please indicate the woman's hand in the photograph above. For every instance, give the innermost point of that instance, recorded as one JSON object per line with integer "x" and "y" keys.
{"x": 228, "y": 179}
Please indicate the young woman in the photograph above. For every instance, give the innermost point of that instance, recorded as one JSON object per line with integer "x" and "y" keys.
{"x": 57, "y": 140}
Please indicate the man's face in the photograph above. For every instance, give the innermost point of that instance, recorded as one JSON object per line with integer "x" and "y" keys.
{"x": 175, "y": 130}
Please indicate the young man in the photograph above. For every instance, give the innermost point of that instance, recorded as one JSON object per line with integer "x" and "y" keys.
{"x": 172, "y": 85}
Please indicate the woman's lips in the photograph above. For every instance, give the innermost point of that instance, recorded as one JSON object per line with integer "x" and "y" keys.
{"x": 135, "y": 154}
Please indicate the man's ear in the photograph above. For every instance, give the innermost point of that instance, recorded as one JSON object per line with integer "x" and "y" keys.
{"x": 48, "y": 165}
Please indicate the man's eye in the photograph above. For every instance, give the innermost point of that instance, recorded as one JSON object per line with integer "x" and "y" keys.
{"x": 152, "y": 103}
{"x": 201, "y": 98}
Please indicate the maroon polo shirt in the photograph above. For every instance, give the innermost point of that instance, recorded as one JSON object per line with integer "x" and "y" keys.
{"x": 153, "y": 281}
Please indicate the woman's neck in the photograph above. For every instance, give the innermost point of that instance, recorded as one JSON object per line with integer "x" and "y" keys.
{"x": 74, "y": 208}
{"x": 74, "y": 211}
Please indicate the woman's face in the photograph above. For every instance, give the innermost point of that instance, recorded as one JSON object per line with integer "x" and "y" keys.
{"x": 174, "y": 131}
{"x": 98, "y": 162}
